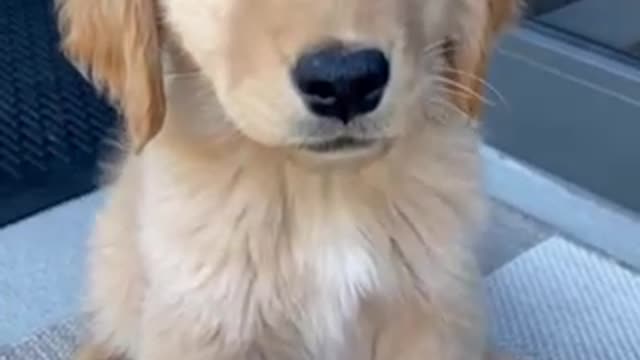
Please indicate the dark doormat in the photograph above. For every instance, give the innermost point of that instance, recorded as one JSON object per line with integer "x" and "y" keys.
{"x": 53, "y": 126}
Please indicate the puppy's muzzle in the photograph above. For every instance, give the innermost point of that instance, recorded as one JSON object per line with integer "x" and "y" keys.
{"x": 340, "y": 84}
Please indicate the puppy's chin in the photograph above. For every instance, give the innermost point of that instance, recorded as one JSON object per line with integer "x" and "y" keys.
{"x": 341, "y": 154}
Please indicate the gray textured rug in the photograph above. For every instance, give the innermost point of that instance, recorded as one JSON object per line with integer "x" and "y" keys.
{"x": 561, "y": 302}
{"x": 555, "y": 302}
{"x": 54, "y": 343}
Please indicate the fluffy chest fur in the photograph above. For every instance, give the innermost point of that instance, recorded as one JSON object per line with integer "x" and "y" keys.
{"x": 273, "y": 253}
{"x": 248, "y": 268}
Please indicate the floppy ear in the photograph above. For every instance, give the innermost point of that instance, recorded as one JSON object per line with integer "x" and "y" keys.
{"x": 116, "y": 44}
{"x": 472, "y": 49}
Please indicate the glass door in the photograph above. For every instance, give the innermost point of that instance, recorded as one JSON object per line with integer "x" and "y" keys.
{"x": 570, "y": 75}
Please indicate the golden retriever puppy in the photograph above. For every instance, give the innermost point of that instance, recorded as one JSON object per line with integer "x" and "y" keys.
{"x": 299, "y": 179}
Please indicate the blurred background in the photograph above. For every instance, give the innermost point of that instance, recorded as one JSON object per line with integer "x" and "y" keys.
{"x": 571, "y": 78}
{"x": 562, "y": 252}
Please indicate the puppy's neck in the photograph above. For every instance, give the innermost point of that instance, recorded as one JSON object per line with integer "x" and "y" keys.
{"x": 429, "y": 177}
{"x": 331, "y": 238}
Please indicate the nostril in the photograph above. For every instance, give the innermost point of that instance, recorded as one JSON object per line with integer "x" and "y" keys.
{"x": 321, "y": 91}
{"x": 335, "y": 82}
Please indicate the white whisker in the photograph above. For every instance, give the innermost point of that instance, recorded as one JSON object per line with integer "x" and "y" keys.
{"x": 467, "y": 96}
{"x": 435, "y": 54}
{"x": 487, "y": 84}
{"x": 436, "y": 45}
{"x": 468, "y": 91}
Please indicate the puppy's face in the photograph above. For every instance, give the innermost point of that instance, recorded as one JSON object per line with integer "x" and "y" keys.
{"x": 327, "y": 78}
{"x": 322, "y": 76}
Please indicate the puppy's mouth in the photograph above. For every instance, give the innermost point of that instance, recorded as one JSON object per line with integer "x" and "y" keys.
{"x": 339, "y": 144}
{"x": 344, "y": 152}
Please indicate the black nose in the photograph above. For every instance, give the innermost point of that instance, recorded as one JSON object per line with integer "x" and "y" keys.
{"x": 338, "y": 83}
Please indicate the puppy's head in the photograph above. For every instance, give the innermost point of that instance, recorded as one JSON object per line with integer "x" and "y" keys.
{"x": 328, "y": 78}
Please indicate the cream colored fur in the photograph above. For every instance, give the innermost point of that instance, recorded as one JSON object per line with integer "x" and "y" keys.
{"x": 223, "y": 240}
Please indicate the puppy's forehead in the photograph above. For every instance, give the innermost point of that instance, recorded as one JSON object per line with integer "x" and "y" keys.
{"x": 309, "y": 18}
{"x": 311, "y": 9}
